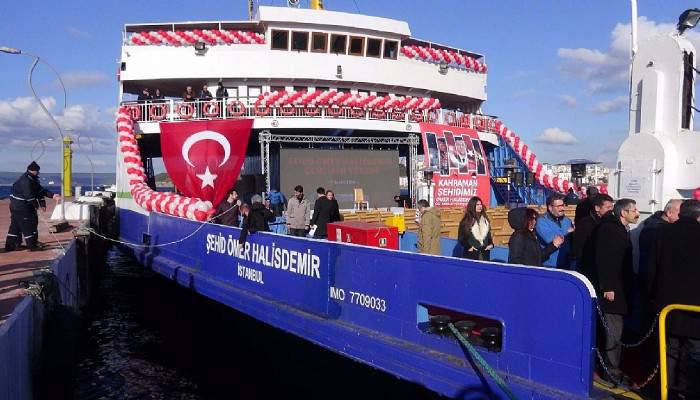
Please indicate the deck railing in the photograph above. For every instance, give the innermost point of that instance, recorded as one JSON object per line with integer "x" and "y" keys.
{"x": 171, "y": 110}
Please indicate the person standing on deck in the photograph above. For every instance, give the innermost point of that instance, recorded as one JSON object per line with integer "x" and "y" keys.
{"x": 428, "y": 229}
{"x": 298, "y": 212}
{"x": 607, "y": 263}
{"x": 475, "y": 231}
{"x": 551, "y": 224}
{"x": 523, "y": 247}
{"x": 602, "y": 204}
{"x": 228, "y": 210}
{"x": 27, "y": 195}
{"x": 676, "y": 260}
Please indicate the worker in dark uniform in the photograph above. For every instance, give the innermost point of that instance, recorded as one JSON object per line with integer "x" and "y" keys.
{"x": 27, "y": 195}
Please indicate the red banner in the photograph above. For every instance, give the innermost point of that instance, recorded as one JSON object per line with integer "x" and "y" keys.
{"x": 459, "y": 163}
{"x": 204, "y": 158}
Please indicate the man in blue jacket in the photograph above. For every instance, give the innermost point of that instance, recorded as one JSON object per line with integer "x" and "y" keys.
{"x": 551, "y": 224}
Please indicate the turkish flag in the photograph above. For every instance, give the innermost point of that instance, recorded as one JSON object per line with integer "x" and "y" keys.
{"x": 204, "y": 158}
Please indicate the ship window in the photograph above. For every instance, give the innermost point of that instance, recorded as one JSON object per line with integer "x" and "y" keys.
{"x": 301, "y": 88}
{"x": 300, "y": 41}
{"x": 374, "y": 47}
{"x": 357, "y": 45}
{"x": 280, "y": 40}
{"x": 687, "y": 99}
{"x": 339, "y": 44}
{"x": 323, "y": 88}
{"x": 254, "y": 92}
{"x": 390, "y": 49}
{"x": 382, "y": 94}
{"x": 319, "y": 42}
{"x": 277, "y": 89}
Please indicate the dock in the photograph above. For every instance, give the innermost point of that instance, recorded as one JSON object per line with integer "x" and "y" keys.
{"x": 21, "y": 265}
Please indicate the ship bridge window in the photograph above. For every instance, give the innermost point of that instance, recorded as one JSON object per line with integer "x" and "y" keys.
{"x": 339, "y": 44}
{"x": 319, "y": 42}
{"x": 357, "y": 45}
{"x": 374, "y": 47}
{"x": 300, "y": 41}
{"x": 280, "y": 40}
{"x": 277, "y": 88}
{"x": 391, "y": 49}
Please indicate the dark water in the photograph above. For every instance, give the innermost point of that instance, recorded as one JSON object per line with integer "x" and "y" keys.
{"x": 147, "y": 338}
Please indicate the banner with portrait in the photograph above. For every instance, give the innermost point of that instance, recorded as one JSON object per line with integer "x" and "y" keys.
{"x": 459, "y": 165}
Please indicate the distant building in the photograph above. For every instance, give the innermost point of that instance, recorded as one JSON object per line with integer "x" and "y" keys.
{"x": 596, "y": 173}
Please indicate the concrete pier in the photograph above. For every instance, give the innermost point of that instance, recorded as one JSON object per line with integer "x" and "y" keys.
{"x": 22, "y": 315}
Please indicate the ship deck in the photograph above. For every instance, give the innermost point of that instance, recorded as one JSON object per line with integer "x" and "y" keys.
{"x": 18, "y": 266}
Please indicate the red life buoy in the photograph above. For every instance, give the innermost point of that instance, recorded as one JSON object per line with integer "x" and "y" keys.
{"x": 357, "y": 113}
{"x": 262, "y": 111}
{"x": 417, "y": 116}
{"x": 286, "y": 111}
{"x": 211, "y": 109}
{"x": 398, "y": 115}
{"x": 378, "y": 114}
{"x": 312, "y": 111}
{"x": 334, "y": 111}
{"x": 231, "y": 108}
{"x": 185, "y": 110}
{"x": 157, "y": 112}
{"x": 135, "y": 112}
{"x": 479, "y": 123}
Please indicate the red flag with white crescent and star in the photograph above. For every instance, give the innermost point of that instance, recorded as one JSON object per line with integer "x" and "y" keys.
{"x": 204, "y": 158}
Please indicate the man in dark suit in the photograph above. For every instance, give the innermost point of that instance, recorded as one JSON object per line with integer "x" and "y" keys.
{"x": 602, "y": 204}
{"x": 322, "y": 214}
{"x": 607, "y": 262}
{"x": 676, "y": 259}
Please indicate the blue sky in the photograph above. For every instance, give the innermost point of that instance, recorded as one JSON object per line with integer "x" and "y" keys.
{"x": 557, "y": 69}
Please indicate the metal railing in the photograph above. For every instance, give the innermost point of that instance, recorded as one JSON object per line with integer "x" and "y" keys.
{"x": 662, "y": 342}
{"x": 171, "y": 110}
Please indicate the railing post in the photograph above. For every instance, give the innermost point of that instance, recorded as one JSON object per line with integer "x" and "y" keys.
{"x": 171, "y": 110}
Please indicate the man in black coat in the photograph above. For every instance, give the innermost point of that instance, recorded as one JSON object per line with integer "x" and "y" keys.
{"x": 584, "y": 208}
{"x": 607, "y": 262}
{"x": 323, "y": 209}
{"x": 648, "y": 237}
{"x": 228, "y": 210}
{"x": 27, "y": 195}
{"x": 255, "y": 218}
{"x": 676, "y": 259}
{"x": 602, "y": 204}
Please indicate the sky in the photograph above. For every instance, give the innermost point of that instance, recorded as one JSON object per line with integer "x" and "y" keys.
{"x": 558, "y": 69}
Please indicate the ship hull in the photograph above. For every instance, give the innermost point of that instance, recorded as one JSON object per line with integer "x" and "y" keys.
{"x": 372, "y": 305}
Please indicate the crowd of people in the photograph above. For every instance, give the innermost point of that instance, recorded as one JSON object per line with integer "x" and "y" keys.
{"x": 256, "y": 215}
{"x": 599, "y": 245}
{"x": 188, "y": 94}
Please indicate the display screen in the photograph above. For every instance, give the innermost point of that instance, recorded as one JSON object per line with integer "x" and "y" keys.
{"x": 376, "y": 172}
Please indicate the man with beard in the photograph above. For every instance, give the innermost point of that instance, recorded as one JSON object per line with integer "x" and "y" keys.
{"x": 607, "y": 262}
{"x": 227, "y": 211}
{"x": 602, "y": 204}
{"x": 298, "y": 211}
{"x": 27, "y": 195}
{"x": 551, "y": 224}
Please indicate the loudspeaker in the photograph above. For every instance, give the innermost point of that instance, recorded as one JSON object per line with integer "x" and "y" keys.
{"x": 518, "y": 178}
{"x": 530, "y": 178}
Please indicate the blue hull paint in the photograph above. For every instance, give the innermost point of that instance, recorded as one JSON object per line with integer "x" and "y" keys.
{"x": 547, "y": 315}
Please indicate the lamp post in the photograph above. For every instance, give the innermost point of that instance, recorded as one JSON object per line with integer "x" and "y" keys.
{"x": 37, "y": 59}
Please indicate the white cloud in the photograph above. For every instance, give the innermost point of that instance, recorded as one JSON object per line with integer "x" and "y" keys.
{"x": 619, "y": 103}
{"x": 78, "y": 79}
{"x": 609, "y": 71}
{"x": 77, "y": 33}
{"x": 569, "y": 101}
{"x": 556, "y": 136}
{"x": 22, "y": 118}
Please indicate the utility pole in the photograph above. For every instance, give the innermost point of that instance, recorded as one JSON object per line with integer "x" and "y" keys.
{"x": 250, "y": 10}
